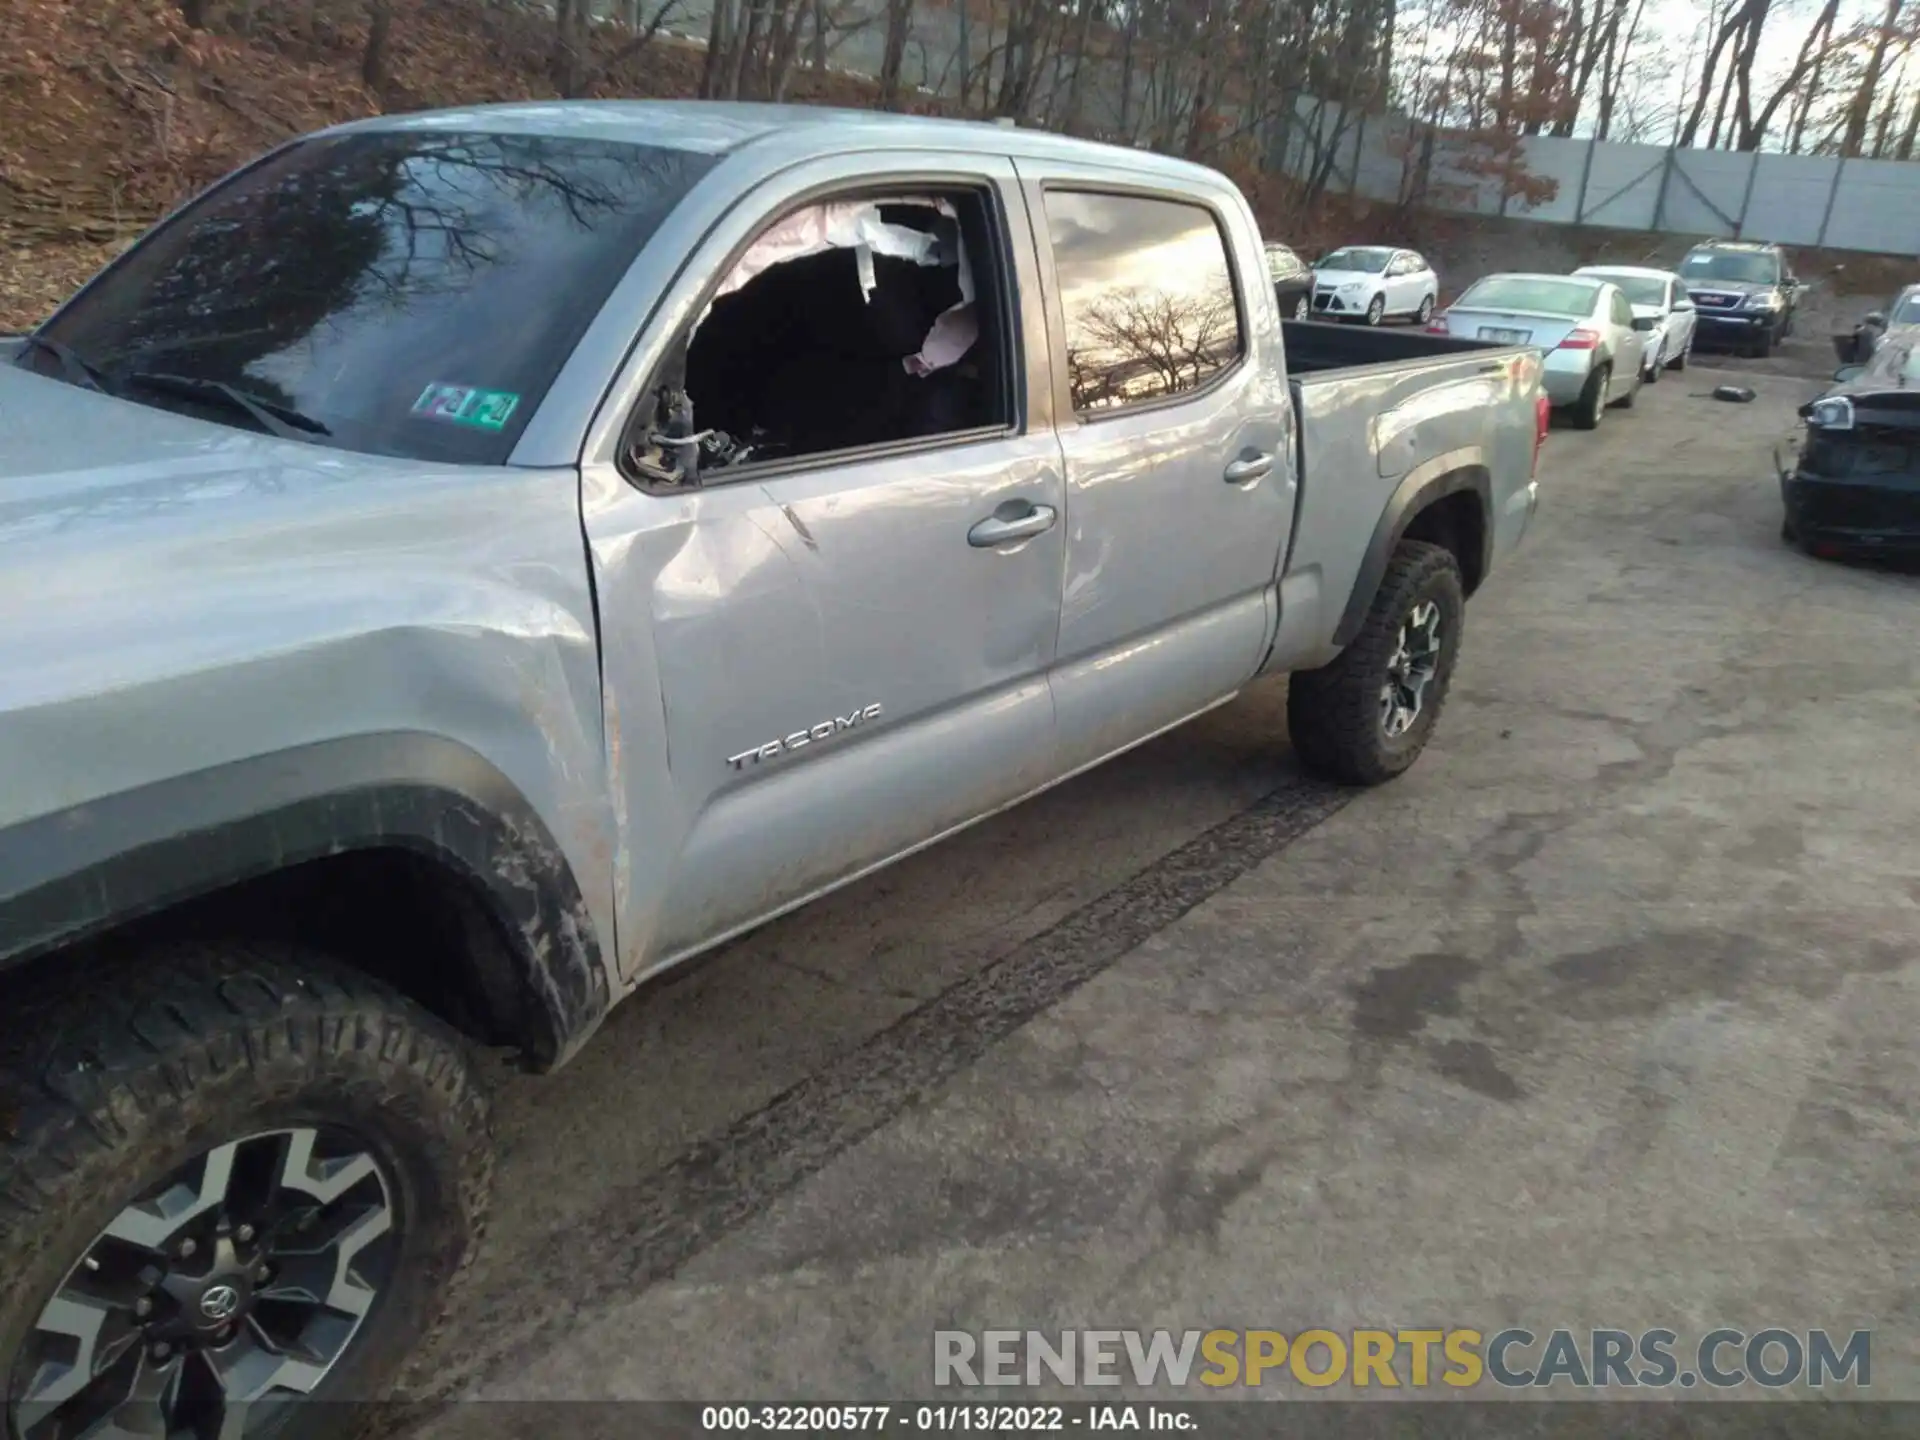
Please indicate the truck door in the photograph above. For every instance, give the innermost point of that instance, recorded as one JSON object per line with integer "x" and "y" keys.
{"x": 835, "y": 646}
{"x": 1177, "y": 431}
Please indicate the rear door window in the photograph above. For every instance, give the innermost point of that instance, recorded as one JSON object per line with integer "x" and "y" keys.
{"x": 1147, "y": 291}
{"x": 410, "y": 293}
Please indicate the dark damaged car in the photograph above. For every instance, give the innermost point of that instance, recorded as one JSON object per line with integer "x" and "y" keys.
{"x": 1854, "y": 488}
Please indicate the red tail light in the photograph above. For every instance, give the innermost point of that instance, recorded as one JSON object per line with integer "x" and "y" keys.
{"x": 1542, "y": 422}
{"x": 1437, "y": 325}
{"x": 1581, "y": 339}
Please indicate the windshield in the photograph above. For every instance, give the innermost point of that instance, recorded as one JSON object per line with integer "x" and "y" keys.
{"x": 1369, "y": 259}
{"x": 406, "y": 293}
{"x": 1568, "y": 298}
{"x": 1639, "y": 289}
{"x": 1749, "y": 267}
{"x": 1906, "y": 311}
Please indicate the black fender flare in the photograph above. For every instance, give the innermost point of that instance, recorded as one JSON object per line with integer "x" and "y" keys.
{"x": 77, "y": 872}
{"x": 1424, "y": 485}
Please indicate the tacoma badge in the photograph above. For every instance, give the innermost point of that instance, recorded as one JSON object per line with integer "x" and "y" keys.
{"x": 825, "y": 730}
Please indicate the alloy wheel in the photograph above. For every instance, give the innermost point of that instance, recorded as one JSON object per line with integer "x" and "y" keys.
{"x": 223, "y": 1293}
{"x": 1410, "y": 670}
{"x": 1300, "y": 309}
{"x": 1376, "y": 310}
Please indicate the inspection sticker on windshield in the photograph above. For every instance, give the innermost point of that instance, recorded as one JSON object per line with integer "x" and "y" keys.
{"x": 464, "y": 405}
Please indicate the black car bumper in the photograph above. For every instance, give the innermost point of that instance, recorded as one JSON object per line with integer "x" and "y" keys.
{"x": 1740, "y": 326}
{"x": 1853, "y": 517}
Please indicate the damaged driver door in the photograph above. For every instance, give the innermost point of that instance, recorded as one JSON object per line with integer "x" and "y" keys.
{"x": 827, "y": 535}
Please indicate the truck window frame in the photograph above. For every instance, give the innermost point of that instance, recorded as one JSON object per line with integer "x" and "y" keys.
{"x": 1066, "y": 413}
{"x": 1014, "y": 366}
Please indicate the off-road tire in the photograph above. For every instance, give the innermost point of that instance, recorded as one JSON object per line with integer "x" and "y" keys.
{"x": 1591, "y": 407}
{"x": 1333, "y": 713}
{"x": 113, "y": 1076}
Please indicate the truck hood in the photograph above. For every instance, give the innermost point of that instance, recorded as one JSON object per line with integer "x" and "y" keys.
{"x": 72, "y": 457}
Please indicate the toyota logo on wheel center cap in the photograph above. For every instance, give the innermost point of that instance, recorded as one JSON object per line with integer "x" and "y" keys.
{"x": 219, "y": 1303}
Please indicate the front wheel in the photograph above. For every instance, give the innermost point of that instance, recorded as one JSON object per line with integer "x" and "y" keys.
{"x": 1679, "y": 362}
{"x": 231, "y": 1181}
{"x": 1376, "y": 309}
{"x": 1365, "y": 718}
{"x": 1301, "y": 310}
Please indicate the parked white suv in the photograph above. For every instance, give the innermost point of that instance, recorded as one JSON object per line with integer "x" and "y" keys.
{"x": 1375, "y": 283}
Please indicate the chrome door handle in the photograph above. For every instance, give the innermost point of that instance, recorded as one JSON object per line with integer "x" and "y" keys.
{"x": 999, "y": 529}
{"x": 1249, "y": 467}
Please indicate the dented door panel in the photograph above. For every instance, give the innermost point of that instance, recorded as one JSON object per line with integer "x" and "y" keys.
{"x": 837, "y": 669}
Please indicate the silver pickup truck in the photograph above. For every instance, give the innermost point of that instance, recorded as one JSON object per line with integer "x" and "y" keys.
{"x": 466, "y": 563}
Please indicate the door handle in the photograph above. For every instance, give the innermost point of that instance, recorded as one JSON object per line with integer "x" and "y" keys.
{"x": 1002, "y": 529}
{"x": 1249, "y": 467}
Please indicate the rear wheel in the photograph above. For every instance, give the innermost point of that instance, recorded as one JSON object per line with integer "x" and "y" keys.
{"x": 1301, "y": 310}
{"x": 231, "y": 1181}
{"x": 1591, "y": 407}
{"x": 1365, "y": 718}
{"x": 1425, "y": 313}
{"x": 1376, "y": 309}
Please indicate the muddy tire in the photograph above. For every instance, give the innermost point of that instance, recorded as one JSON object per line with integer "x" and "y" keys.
{"x": 244, "y": 1167}
{"x": 1349, "y": 720}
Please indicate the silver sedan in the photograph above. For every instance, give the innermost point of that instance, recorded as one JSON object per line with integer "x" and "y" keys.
{"x": 1595, "y": 348}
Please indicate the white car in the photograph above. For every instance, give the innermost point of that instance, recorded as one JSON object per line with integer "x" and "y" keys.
{"x": 1659, "y": 295}
{"x": 1375, "y": 283}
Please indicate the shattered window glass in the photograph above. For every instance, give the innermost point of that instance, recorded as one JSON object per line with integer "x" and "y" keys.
{"x": 848, "y": 323}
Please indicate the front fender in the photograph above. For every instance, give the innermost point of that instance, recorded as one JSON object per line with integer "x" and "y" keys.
{"x": 76, "y": 872}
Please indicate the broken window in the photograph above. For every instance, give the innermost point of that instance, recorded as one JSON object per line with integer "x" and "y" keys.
{"x": 846, "y": 324}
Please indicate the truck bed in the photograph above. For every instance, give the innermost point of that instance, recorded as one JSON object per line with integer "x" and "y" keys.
{"x": 1314, "y": 346}
{"x": 1380, "y": 411}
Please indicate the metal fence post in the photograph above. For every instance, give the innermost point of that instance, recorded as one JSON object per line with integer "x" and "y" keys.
{"x": 1746, "y": 198}
{"x": 1660, "y": 200}
{"x": 1826, "y": 217}
{"x": 1586, "y": 175}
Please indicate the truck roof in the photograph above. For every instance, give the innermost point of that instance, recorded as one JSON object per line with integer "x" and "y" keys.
{"x": 721, "y": 128}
